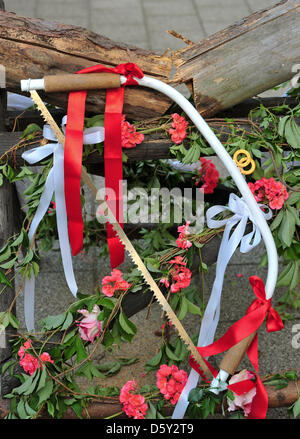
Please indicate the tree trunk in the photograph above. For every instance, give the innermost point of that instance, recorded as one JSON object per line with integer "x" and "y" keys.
{"x": 243, "y": 60}
{"x": 32, "y": 48}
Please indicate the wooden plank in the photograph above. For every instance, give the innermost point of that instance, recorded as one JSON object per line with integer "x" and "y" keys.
{"x": 32, "y": 48}
{"x": 18, "y": 121}
{"x": 154, "y": 147}
{"x": 247, "y": 58}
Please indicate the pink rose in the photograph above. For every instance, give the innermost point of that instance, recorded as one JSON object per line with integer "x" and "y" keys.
{"x": 89, "y": 326}
{"x": 244, "y": 400}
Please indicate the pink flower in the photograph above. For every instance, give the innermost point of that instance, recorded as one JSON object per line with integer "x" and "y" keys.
{"x": 239, "y": 275}
{"x": 244, "y": 400}
{"x": 30, "y": 363}
{"x": 134, "y": 404}
{"x": 178, "y": 132}
{"x": 171, "y": 381}
{"x": 113, "y": 283}
{"x": 130, "y": 138}
{"x": 177, "y": 260}
{"x": 165, "y": 282}
{"x": 89, "y": 326}
{"x": 182, "y": 241}
{"x": 45, "y": 358}
{"x": 208, "y": 175}
{"x": 269, "y": 191}
{"x": 180, "y": 275}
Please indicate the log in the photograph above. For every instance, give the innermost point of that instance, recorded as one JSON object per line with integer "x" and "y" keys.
{"x": 243, "y": 60}
{"x": 222, "y": 70}
{"x": 100, "y": 410}
{"x": 154, "y": 147}
{"x": 32, "y": 48}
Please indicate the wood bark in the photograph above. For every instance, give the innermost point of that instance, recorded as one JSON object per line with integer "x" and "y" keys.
{"x": 32, "y": 48}
{"x": 243, "y": 60}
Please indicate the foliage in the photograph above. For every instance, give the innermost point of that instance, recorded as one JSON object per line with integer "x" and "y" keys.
{"x": 274, "y": 143}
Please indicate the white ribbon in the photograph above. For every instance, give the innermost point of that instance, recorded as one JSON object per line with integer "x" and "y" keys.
{"x": 229, "y": 244}
{"x": 54, "y": 185}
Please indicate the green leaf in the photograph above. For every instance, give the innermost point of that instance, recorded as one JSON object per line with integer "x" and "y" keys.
{"x": 287, "y": 229}
{"x": 31, "y": 388}
{"x": 21, "y": 410}
{"x": 296, "y": 408}
{"x": 126, "y": 324}
{"x": 50, "y": 408}
{"x": 183, "y": 308}
{"x": 13, "y": 321}
{"x": 281, "y": 125}
{"x": 29, "y": 410}
{"x": 45, "y": 393}
{"x": 25, "y": 385}
{"x": 80, "y": 350}
{"x": 171, "y": 354}
{"x": 5, "y": 254}
{"x": 77, "y": 407}
{"x": 151, "y": 412}
{"x": 53, "y": 322}
{"x": 43, "y": 378}
{"x": 30, "y": 129}
{"x": 154, "y": 361}
{"x": 9, "y": 264}
{"x": 4, "y": 280}
{"x": 192, "y": 308}
{"x": 18, "y": 240}
{"x": 28, "y": 257}
{"x": 292, "y": 133}
{"x": 291, "y": 376}
{"x": 195, "y": 395}
{"x": 277, "y": 221}
{"x": 67, "y": 322}
{"x": 294, "y": 197}
{"x": 285, "y": 277}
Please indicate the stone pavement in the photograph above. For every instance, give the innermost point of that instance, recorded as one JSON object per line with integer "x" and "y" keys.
{"x": 144, "y": 23}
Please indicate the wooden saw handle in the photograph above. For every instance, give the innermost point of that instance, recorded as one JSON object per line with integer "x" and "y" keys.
{"x": 234, "y": 355}
{"x": 89, "y": 81}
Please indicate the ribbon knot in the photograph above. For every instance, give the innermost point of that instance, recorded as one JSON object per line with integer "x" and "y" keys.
{"x": 130, "y": 70}
{"x": 274, "y": 322}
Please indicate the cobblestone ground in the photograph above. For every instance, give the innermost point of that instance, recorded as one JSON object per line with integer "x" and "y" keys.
{"x": 144, "y": 23}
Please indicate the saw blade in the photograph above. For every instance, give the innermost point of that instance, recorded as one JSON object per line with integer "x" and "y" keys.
{"x": 127, "y": 243}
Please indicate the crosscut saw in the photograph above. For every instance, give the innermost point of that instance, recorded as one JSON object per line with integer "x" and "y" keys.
{"x": 69, "y": 82}
{"x": 124, "y": 239}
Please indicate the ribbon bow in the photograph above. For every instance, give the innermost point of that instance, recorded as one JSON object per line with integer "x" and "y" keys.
{"x": 112, "y": 158}
{"x": 274, "y": 322}
{"x": 230, "y": 242}
{"x": 54, "y": 185}
{"x": 247, "y": 325}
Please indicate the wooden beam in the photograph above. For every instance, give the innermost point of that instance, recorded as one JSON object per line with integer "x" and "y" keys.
{"x": 100, "y": 410}
{"x": 32, "y": 48}
{"x": 243, "y": 60}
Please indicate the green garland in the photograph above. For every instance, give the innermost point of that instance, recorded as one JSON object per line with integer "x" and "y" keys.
{"x": 274, "y": 140}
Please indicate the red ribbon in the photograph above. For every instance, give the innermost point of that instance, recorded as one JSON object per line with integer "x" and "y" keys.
{"x": 112, "y": 157}
{"x": 259, "y": 309}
